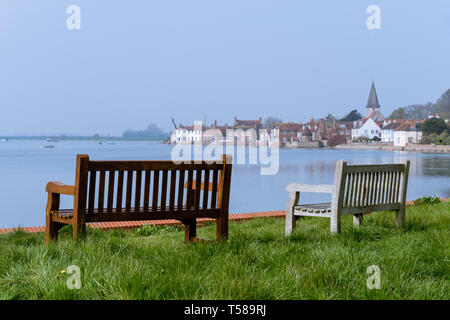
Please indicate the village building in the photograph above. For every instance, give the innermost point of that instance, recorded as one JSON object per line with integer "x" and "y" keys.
{"x": 408, "y": 132}
{"x": 373, "y": 106}
{"x": 289, "y": 132}
{"x": 366, "y": 129}
{"x": 370, "y": 126}
{"x": 198, "y": 133}
{"x": 387, "y": 131}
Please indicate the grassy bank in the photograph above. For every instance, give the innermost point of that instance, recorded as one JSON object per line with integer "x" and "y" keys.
{"x": 259, "y": 262}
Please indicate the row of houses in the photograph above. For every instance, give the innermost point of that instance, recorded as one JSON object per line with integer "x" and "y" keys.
{"x": 200, "y": 133}
{"x": 374, "y": 126}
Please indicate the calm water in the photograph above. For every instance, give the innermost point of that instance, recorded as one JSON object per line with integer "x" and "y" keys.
{"x": 25, "y": 169}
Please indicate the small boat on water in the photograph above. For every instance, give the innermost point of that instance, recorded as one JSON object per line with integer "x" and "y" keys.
{"x": 47, "y": 146}
{"x": 4, "y": 140}
{"x": 101, "y": 142}
{"x": 52, "y": 139}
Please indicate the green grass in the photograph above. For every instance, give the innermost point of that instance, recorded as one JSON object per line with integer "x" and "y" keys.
{"x": 259, "y": 262}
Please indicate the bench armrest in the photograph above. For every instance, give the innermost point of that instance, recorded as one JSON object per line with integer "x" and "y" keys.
{"x": 301, "y": 187}
{"x": 61, "y": 188}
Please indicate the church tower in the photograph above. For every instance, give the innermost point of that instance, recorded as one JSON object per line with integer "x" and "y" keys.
{"x": 372, "y": 103}
{"x": 373, "y": 106}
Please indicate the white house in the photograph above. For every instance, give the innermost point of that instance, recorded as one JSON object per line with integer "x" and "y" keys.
{"x": 368, "y": 129}
{"x": 387, "y": 132}
{"x": 408, "y": 132}
{"x": 188, "y": 134}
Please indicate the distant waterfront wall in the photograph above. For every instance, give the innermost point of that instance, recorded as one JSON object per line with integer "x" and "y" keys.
{"x": 410, "y": 148}
{"x": 304, "y": 144}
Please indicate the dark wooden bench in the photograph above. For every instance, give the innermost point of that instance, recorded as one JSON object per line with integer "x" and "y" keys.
{"x": 142, "y": 190}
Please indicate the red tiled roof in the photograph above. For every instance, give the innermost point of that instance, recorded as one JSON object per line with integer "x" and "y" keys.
{"x": 290, "y": 126}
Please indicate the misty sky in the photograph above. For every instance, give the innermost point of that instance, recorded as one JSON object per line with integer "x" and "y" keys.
{"x": 140, "y": 62}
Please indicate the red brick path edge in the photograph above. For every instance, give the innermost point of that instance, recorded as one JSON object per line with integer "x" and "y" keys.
{"x": 237, "y": 217}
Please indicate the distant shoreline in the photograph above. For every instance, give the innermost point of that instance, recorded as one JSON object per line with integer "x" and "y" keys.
{"x": 413, "y": 148}
{"x": 80, "y": 138}
{"x": 436, "y": 149}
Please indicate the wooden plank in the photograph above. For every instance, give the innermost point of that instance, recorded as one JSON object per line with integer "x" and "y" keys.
{"x": 397, "y": 190}
{"x": 370, "y": 188}
{"x": 119, "y": 191}
{"x": 214, "y": 189}
{"x": 371, "y": 208}
{"x": 158, "y": 215}
{"x": 352, "y": 190}
{"x": 149, "y": 165}
{"x": 180, "y": 190}
{"x": 138, "y": 191}
{"x": 189, "y": 193}
{"x": 224, "y": 198}
{"x": 391, "y": 186}
{"x": 155, "y": 190}
{"x": 364, "y": 189}
{"x": 101, "y": 192}
{"x": 383, "y": 188}
{"x": 301, "y": 187}
{"x": 198, "y": 181}
{"x": 60, "y": 188}
{"x": 129, "y": 190}
{"x": 347, "y": 190}
{"x": 92, "y": 180}
{"x": 206, "y": 190}
{"x": 111, "y": 181}
{"x": 376, "y": 188}
{"x": 173, "y": 181}
{"x": 394, "y": 186}
{"x": 80, "y": 194}
{"x": 356, "y": 191}
{"x": 146, "y": 190}
{"x": 164, "y": 190}
{"x": 374, "y": 168}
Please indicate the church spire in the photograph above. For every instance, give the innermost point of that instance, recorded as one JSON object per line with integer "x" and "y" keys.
{"x": 373, "y": 99}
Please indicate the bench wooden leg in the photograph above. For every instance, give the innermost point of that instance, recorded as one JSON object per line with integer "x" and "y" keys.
{"x": 291, "y": 220}
{"x": 190, "y": 230}
{"x": 51, "y": 231}
{"x": 357, "y": 220}
{"x": 79, "y": 229}
{"x": 400, "y": 217}
{"x": 335, "y": 223}
{"x": 222, "y": 228}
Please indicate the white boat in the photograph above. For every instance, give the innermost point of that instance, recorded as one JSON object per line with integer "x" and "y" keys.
{"x": 101, "y": 142}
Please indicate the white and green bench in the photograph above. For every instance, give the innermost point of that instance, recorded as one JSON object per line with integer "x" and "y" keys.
{"x": 357, "y": 189}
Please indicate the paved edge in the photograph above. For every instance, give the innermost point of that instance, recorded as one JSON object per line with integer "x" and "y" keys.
{"x": 237, "y": 217}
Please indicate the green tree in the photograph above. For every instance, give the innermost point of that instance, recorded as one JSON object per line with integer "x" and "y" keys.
{"x": 329, "y": 118}
{"x": 434, "y": 125}
{"x": 352, "y": 116}
{"x": 399, "y": 113}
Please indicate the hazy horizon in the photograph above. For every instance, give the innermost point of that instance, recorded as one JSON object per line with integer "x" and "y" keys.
{"x": 134, "y": 64}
